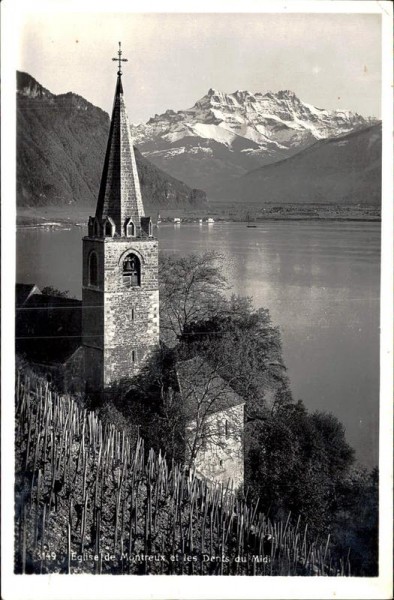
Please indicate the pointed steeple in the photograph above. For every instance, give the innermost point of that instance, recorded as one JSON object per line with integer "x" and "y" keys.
{"x": 119, "y": 199}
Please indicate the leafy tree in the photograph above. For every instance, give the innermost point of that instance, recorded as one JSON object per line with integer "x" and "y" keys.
{"x": 237, "y": 341}
{"x": 228, "y": 332}
{"x": 296, "y": 463}
{"x": 246, "y": 349}
{"x": 355, "y": 527}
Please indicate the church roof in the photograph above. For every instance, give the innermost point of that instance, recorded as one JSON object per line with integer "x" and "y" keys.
{"x": 202, "y": 388}
{"x": 120, "y": 194}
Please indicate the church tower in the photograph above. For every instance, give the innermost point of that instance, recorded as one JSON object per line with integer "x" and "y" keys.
{"x": 120, "y": 292}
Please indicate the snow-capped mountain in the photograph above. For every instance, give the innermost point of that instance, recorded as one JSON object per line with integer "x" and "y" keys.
{"x": 226, "y": 135}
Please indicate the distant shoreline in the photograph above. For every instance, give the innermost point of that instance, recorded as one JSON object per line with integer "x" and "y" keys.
{"x": 55, "y": 217}
{"x": 64, "y": 225}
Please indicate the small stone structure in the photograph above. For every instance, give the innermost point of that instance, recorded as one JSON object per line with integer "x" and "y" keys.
{"x": 215, "y": 422}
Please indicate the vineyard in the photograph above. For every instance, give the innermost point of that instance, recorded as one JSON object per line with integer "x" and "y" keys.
{"x": 88, "y": 500}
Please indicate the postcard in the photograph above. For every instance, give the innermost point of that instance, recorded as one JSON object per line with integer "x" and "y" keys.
{"x": 198, "y": 290}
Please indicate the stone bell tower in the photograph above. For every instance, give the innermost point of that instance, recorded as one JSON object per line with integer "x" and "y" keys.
{"x": 120, "y": 292}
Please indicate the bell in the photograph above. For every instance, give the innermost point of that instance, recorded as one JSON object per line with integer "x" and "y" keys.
{"x": 128, "y": 266}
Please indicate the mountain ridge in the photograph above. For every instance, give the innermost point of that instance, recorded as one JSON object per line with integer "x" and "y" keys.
{"x": 61, "y": 142}
{"x": 341, "y": 170}
{"x": 238, "y": 132}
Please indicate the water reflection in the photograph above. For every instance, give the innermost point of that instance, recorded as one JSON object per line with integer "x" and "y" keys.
{"x": 320, "y": 282}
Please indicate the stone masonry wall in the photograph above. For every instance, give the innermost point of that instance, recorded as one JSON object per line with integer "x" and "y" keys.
{"x": 122, "y": 323}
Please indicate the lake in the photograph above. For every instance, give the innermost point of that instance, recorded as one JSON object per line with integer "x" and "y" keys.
{"x": 320, "y": 281}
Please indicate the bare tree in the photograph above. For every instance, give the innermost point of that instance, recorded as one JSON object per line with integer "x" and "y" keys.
{"x": 210, "y": 408}
{"x": 190, "y": 290}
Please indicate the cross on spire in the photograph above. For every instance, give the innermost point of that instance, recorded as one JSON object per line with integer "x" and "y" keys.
{"x": 119, "y": 196}
{"x": 120, "y": 59}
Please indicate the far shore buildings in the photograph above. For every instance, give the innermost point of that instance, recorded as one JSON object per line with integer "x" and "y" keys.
{"x": 107, "y": 337}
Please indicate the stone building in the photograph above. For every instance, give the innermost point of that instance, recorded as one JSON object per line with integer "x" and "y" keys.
{"x": 120, "y": 290}
{"x": 214, "y": 437}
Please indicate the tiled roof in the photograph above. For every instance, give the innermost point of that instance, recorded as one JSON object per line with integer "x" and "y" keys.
{"x": 120, "y": 195}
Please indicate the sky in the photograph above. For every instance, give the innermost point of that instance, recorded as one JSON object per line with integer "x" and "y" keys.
{"x": 332, "y": 61}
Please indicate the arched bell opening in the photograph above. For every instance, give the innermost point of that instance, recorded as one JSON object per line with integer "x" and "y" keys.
{"x": 131, "y": 271}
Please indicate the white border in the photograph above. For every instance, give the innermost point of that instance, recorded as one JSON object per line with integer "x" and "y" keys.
{"x": 129, "y": 587}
